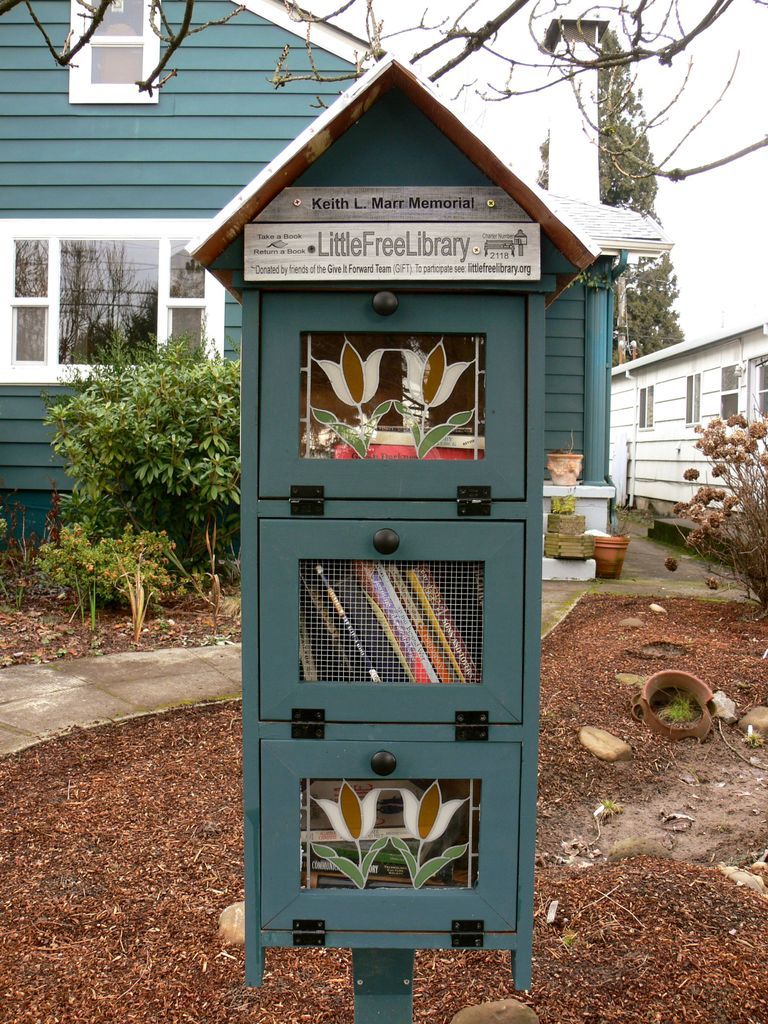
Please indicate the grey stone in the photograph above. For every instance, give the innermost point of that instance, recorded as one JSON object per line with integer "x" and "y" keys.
{"x": 723, "y": 707}
{"x": 757, "y": 718}
{"x": 604, "y": 745}
{"x": 630, "y": 679}
{"x": 505, "y": 1011}
{"x": 637, "y": 847}
{"x": 632, "y": 623}
{"x": 232, "y": 924}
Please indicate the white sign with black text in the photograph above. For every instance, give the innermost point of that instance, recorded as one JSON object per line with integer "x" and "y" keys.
{"x": 458, "y": 251}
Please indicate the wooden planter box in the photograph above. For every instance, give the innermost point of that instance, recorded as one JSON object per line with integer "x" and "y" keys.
{"x": 563, "y": 545}
{"x": 571, "y": 525}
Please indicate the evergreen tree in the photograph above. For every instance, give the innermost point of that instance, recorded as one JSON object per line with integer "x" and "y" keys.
{"x": 651, "y": 284}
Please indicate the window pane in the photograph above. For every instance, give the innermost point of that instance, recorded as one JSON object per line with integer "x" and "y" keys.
{"x": 187, "y": 323}
{"x": 729, "y": 405}
{"x": 187, "y": 275}
{"x": 31, "y": 274}
{"x": 123, "y": 18}
{"x": 30, "y": 329}
{"x": 390, "y": 622}
{"x": 689, "y": 400}
{"x": 392, "y": 396}
{"x": 420, "y": 833}
{"x": 108, "y": 289}
{"x": 728, "y": 379}
{"x": 116, "y": 65}
{"x": 696, "y": 398}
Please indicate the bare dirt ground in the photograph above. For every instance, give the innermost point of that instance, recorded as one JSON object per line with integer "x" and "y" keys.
{"x": 119, "y": 846}
{"x": 45, "y": 629}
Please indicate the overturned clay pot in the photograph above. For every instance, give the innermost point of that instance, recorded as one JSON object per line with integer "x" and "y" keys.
{"x": 643, "y": 707}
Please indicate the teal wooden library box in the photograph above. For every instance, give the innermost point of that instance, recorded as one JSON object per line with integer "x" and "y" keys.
{"x": 393, "y": 275}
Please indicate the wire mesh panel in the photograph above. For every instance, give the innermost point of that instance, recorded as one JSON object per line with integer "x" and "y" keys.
{"x": 364, "y": 834}
{"x": 390, "y": 622}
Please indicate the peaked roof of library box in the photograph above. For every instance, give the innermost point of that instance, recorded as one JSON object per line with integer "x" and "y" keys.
{"x": 352, "y": 104}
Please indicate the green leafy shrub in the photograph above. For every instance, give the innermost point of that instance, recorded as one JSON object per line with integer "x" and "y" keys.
{"x": 97, "y": 571}
{"x": 153, "y": 439}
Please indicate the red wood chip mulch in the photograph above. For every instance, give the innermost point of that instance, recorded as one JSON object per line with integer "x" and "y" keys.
{"x": 119, "y": 847}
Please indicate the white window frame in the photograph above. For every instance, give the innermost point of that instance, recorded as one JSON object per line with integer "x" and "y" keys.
{"x": 644, "y": 405}
{"x": 755, "y": 390}
{"x": 692, "y": 399}
{"x": 54, "y": 232}
{"x": 83, "y": 90}
{"x": 730, "y": 391}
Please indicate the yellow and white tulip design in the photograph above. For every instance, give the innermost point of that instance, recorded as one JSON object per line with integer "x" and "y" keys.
{"x": 355, "y": 381}
{"x": 353, "y": 820}
{"x": 425, "y": 819}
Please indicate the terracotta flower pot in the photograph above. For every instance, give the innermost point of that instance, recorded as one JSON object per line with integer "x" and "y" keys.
{"x": 645, "y": 706}
{"x": 609, "y": 556}
{"x": 564, "y": 468}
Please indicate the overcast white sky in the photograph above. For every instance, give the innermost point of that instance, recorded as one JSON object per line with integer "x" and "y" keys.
{"x": 718, "y": 220}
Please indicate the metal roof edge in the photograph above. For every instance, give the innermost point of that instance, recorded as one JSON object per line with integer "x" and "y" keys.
{"x": 327, "y": 37}
{"x": 684, "y": 347}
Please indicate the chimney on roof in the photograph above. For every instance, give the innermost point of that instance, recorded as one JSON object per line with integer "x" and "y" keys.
{"x": 573, "y": 152}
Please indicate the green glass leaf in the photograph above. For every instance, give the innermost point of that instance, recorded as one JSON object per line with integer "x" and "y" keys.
{"x": 432, "y": 438}
{"x": 344, "y": 865}
{"x": 459, "y": 419}
{"x": 402, "y": 847}
{"x": 369, "y": 858}
{"x": 380, "y": 410}
{"x": 401, "y": 409}
{"x": 323, "y": 416}
{"x": 426, "y": 871}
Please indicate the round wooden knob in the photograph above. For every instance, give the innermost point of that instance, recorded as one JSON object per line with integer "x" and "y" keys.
{"x": 385, "y": 303}
{"x": 386, "y": 541}
{"x": 383, "y": 763}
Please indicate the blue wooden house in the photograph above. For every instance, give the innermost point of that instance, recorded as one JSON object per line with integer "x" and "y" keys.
{"x": 102, "y": 188}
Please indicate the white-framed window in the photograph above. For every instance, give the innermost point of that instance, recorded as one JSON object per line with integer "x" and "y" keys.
{"x": 692, "y": 399}
{"x": 122, "y": 51}
{"x": 66, "y": 287}
{"x": 729, "y": 390}
{"x": 759, "y": 404}
{"x": 646, "y": 408}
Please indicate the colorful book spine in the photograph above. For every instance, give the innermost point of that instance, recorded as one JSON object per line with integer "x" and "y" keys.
{"x": 383, "y": 594}
{"x": 436, "y": 610}
{"x": 382, "y": 620}
{"x": 370, "y": 667}
{"x": 411, "y": 607}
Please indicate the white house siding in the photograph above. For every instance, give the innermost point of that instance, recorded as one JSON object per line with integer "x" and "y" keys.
{"x": 659, "y": 455}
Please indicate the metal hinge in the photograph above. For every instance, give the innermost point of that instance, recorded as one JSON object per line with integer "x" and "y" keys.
{"x": 473, "y": 501}
{"x": 309, "y": 932}
{"x": 307, "y": 500}
{"x": 307, "y": 724}
{"x": 471, "y": 725}
{"x": 467, "y": 934}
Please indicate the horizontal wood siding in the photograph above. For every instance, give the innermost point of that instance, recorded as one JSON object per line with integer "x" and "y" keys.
{"x": 215, "y": 126}
{"x": 27, "y": 461}
{"x": 564, "y": 368}
{"x": 124, "y": 159}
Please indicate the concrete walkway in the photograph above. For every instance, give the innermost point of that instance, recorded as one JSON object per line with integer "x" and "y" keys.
{"x": 40, "y": 701}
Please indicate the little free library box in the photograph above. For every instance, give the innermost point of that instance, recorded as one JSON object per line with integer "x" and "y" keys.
{"x": 394, "y": 276}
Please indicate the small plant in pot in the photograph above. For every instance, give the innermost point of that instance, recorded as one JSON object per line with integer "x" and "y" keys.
{"x": 564, "y": 465}
{"x": 563, "y": 519}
